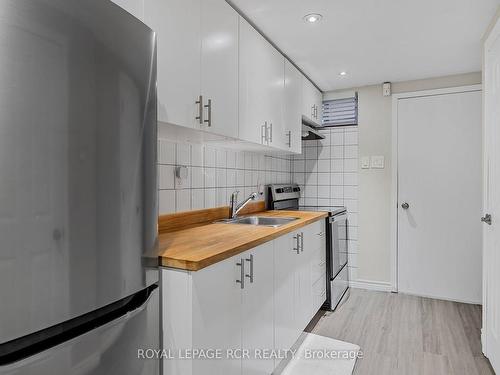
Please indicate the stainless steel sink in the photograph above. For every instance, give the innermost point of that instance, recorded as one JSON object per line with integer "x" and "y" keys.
{"x": 260, "y": 220}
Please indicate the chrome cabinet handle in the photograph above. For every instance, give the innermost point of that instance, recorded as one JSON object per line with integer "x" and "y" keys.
{"x": 241, "y": 281}
{"x": 486, "y": 219}
{"x": 302, "y": 241}
{"x": 289, "y": 134}
{"x": 312, "y": 111}
{"x": 316, "y": 111}
{"x": 405, "y": 206}
{"x": 321, "y": 234}
{"x": 209, "y": 113}
{"x": 263, "y": 133}
{"x": 250, "y": 276}
{"x": 200, "y": 109}
{"x": 271, "y": 132}
{"x": 297, "y": 248}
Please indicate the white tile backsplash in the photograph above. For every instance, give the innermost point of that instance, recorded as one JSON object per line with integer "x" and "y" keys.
{"x": 331, "y": 177}
{"x": 210, "y": 155}
{"x": 166, "y": 177}
{"x": 197, "y": 155}
{"x": 166, "y": 152}
{"x": 197, "y": 199}
{"x": 213, "y": 174}
{"x": 183, "y": 154}
{"x": 166, "y": 201}
{"x": 197, "y": 178}
{"x": 182, "y": 200}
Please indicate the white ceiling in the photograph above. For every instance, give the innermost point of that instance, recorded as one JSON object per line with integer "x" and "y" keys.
{"x": 375, "y": 40}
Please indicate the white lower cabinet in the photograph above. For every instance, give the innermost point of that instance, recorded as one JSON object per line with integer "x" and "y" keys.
{"x": 257, "y": 309}
{"x": 260, "y": 299}
{"x": 286, "y": 325}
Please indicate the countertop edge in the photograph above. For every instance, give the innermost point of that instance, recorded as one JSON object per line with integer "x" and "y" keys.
{"x": 185, "y": 265}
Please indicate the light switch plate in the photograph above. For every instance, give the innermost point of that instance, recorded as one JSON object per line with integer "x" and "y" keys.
{"x": 378, "y": 162}
{"x": 365, "y": 162}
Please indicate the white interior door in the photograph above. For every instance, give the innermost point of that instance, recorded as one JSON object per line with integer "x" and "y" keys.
{"x": 491, "y": 233}
{"x": 439, "y": 178}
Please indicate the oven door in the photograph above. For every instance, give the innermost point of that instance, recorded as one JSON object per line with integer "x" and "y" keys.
{"x": 338, "y": 243}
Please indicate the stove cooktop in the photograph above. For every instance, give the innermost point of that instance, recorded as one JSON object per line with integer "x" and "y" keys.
{"x": 333, "y": 210}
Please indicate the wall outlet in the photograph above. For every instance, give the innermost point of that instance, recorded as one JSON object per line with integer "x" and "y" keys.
{"x": 377, "y": 162}
{"x": 386, "y": 89}
{"x": 365, "y": 162}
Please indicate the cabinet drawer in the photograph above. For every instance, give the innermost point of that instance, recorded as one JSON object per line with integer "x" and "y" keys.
{"x": 319, "y": 293}
{"x": 318, "y": 266}
{"x": 315, "y": 236}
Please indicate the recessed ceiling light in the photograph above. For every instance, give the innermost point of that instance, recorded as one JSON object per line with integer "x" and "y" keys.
{"x": 313, "y": 17}
{"x": 342, "y": 74}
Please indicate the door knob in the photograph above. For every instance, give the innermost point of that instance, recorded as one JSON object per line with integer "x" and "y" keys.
{"x": 405, "y": 206}
{"x": 486, "y": 219}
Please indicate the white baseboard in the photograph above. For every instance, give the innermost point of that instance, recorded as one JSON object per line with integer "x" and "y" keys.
{"x": 380, "y": 286}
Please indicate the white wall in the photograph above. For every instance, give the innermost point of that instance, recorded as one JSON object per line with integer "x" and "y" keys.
{"x": 374, "y": 190}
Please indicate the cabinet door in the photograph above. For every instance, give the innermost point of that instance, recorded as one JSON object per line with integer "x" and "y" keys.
{"x": 309, "y": 99}
{"x": 276, "y": 97}
{"x": 217, "y": 315}
{"x": 292, "y": 114}
{"x": 305, "y": 306}
{"x": 257, "y": 315}
{"x": 177, "y": 24}
{"x": 319, "y": 106}
{"x": 253, "y": 85}
{"x": 219, "y": 67}
{"x": 286, "y": 329}
{"x": 134, "y": 7}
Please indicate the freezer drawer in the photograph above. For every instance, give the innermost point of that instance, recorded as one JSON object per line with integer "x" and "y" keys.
{"x": 107, "y": 350}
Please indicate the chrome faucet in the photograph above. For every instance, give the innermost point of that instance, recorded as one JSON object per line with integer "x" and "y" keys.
{"x": 235, "y": 207}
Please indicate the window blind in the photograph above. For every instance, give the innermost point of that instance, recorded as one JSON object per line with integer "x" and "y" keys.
{"x": 338, "y": 112}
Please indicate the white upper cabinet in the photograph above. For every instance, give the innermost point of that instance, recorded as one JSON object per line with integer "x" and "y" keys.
{"x": 219, "y": 67}
{"x": 261, "y": 88}
{"x": 134, "y": 7}
{"x": 218, "y": 74}
{"x": 312, "y": 102}
{"x": 319, "y": 106}
{"x": 177, "y": 24}
{"x": 292, "y": 114}
{"x": 197, "y": 63}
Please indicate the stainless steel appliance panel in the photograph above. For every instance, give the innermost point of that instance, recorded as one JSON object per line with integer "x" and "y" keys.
{"x": 339, "y": 285}
{"x": 338, "y": 245}
{"x": 111, "y": 349}
{"x": 77, "y": 162}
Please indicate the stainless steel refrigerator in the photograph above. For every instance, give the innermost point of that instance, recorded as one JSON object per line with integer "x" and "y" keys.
{"x": 78, "y": 200}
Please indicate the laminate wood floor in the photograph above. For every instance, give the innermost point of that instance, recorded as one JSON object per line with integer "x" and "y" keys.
{"x": 402, "y": 334}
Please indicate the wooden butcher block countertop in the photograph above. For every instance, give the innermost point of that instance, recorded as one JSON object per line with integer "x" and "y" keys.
{"x": 203, "y": 245}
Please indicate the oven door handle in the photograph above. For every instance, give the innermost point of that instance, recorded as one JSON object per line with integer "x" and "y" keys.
{"x": 336, "y": 218}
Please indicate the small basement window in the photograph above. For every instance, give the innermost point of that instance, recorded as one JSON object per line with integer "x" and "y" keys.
{"x": 340, "y": 112}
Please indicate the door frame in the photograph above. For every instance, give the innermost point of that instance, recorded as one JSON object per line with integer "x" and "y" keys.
{"x": 394, "y": 251}
{"x": 487, "y": 44}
